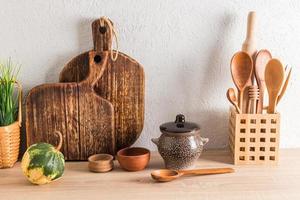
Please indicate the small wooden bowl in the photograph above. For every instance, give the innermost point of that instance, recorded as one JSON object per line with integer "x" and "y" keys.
{"x": 100, "y": 163}
{"x": 133, "y": 158}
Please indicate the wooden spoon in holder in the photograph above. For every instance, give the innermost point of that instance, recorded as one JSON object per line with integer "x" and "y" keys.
{"x": 274, "y": 77}
{"x": 241, "y": 72}
{"x": 261, "y": 60}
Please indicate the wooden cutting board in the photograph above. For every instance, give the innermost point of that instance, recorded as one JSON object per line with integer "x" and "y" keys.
{"x": 122, "y": 84}
{"x": 85, "y": 119}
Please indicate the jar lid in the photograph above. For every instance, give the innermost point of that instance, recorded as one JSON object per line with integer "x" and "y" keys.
{"x": 179, "y": 126}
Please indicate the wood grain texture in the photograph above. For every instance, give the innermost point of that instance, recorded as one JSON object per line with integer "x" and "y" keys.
{"x": 85, "y": 119}
{"x": 122, "y": 84}
{"x": 247, "y": 183}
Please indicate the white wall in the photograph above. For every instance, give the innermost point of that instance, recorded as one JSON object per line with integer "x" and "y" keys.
{"x": 184, "y": 46}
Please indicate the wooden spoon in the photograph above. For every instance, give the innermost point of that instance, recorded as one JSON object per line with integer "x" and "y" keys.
{"x": 286, "y": 82}
{"x": 232, "y": 99}
{"x": 261, "y": 60}
{"x": 166, "y": 175}
{"x": 241, "y": 71}
{"x": 274, "y": 76}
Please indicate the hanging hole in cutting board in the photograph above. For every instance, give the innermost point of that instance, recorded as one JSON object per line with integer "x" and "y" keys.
{"x": 97, "y": 59}
{"x": 102, "y": 29}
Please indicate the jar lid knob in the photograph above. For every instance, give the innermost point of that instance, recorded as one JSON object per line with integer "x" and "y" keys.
{"x": 180, "y": 120}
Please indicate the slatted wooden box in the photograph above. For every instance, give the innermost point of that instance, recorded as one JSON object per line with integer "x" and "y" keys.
{"x": 254, "y": 138}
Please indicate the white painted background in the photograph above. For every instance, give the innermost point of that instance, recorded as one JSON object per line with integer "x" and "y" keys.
{"x": 184, "y": 46}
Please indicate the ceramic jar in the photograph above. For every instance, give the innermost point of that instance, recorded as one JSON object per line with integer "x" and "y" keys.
{"x": 180, "y": 143}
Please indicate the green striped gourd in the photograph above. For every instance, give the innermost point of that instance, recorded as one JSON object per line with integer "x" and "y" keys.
{"x": 43, "y": 163}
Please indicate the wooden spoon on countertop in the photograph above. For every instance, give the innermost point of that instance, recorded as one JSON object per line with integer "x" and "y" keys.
{"x": 166, "y": 175}
{"x": 274, "y": 77}
{"x": 232, "y": 99}
{"x": 241, "y": 71}
{"x": 261, "y": 60}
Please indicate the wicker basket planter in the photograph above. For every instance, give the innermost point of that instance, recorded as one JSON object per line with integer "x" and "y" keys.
{"x": 10, "y": 139}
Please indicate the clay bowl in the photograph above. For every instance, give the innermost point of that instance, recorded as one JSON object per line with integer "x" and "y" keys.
{"x": 133, "y": 158}
{"x": 100, "y": 163}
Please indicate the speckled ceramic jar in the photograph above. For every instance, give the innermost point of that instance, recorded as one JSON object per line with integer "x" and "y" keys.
{"x": 180, "y": 144}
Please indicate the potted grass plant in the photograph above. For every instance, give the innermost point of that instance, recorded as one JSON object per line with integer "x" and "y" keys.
{"x": 10, "y": 114}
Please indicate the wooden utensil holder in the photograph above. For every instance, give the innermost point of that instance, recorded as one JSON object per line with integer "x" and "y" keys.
{"x": 254, "y": 138}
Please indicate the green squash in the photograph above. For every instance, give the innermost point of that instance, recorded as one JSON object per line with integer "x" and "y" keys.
{"x": 43, "y": 163}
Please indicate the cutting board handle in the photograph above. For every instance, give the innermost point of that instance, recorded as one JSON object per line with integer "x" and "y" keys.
{"x": 97, "y": 65}
{"x": 102, "y": 37}
{"x": 103, "y": 33}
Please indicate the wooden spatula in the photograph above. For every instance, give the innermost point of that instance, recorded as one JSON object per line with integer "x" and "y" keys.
{"x": 274, "y": 76}
{"x": 261, "y": 60}
{"x": 241, "y": 71}
{"x": 286, "y": 82}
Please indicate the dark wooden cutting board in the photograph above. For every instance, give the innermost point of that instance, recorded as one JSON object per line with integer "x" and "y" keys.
{"x": 85, "y": 119}
{"x": 122, "y": 84}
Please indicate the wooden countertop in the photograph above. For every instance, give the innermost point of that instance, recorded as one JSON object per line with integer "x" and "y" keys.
{"x": 248, "y": 182}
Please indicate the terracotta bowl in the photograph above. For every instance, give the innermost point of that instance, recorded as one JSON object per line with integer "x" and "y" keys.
{"x": 100, "y": 162}
{"x": 133, "y": 158}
